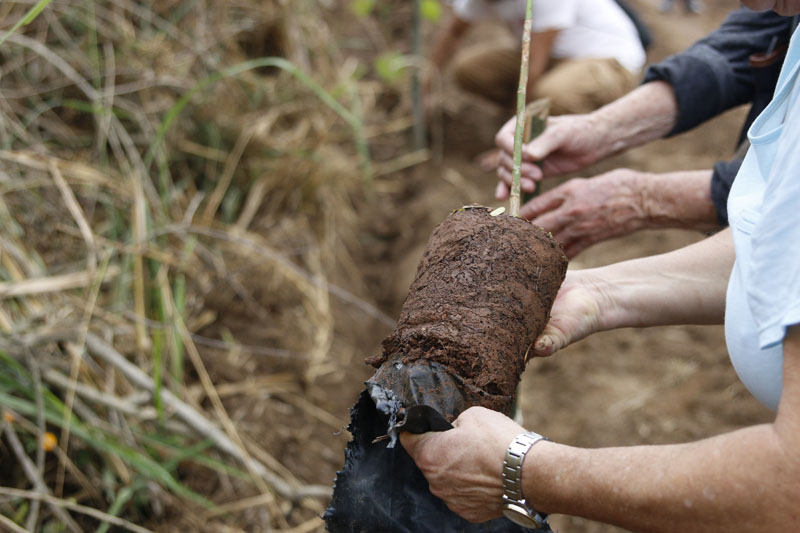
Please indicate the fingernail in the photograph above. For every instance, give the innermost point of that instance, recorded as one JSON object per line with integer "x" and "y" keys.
{"x": 498, "y": 191}
{"x": 542, "y": 345}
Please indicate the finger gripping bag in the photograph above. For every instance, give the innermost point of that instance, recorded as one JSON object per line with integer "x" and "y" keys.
{"x": 481, "y": 296}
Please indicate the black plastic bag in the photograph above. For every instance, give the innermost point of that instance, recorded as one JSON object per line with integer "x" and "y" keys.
{"x": 380, "y": 488}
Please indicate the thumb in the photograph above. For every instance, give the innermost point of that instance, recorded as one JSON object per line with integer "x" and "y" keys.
{"x": 541, "y": 146}
{"x": 549, "y": 342}
{"x": 413, "y": 442}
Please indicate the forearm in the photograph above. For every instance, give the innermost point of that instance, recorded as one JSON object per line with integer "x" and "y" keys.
{"x": 679, "y": 200}
{"x": 685, "y": 286}
{"x": 718, "y": 66}
{"x": 741, "y": 481}
{"x": 647, "y": 113}
{"x": 746, "y": 480}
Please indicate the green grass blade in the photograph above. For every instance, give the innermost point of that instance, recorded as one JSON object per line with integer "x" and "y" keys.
{"x": 29, "y": 17}
{"x": 123, "y": 496}
{"x": 101, "y": 441}
{"x": 179, "y": 293}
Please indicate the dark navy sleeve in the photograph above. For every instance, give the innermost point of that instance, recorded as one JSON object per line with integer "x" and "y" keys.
{"x": 714, "y": 74}
{"x": 721, "y": 180}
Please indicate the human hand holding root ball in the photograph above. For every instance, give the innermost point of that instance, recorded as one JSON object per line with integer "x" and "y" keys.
{"x": 461, "y": 469}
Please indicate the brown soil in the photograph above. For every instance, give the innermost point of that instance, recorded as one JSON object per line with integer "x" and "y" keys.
{"x": 481, "y": 296}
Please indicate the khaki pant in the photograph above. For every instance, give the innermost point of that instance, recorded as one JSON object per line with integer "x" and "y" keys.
{"x": 573, "y": 85}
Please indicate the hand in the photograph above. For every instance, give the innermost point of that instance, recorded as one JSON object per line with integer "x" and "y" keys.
{"x": 464, "y": 465}
{"x": 579, "y": 310}
{"x": 568, "y": 143}
{"x": 582, "y": 212}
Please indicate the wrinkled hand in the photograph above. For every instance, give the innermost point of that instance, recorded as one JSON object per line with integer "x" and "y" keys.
{"x": 583, "y": 212}
{"x": 568, "y": 143}
{"x": 579, "y": 310}
{"x": 463, "y": 466}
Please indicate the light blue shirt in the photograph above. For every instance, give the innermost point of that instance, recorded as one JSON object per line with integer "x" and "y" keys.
{"x": 763, "y": 296}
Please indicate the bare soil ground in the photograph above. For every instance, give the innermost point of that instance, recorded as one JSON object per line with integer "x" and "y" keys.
{"x": 628, "y": 387}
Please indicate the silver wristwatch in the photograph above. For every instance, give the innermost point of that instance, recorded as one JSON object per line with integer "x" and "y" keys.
{"x": 515, "y": 508}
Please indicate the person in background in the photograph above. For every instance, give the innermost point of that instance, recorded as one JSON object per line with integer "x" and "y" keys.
{"x": 747, "y": 276}
{"x": 584, "y": 53}
{"x": 737, "y": 64}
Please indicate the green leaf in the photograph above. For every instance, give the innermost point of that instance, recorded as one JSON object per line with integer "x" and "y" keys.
{"x": 362, "y": 8}
{"x": 430, "y": 10}
{"x": 390, "y": 66}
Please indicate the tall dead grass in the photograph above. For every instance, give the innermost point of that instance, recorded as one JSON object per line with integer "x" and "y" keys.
{"x": 178, "y": 217}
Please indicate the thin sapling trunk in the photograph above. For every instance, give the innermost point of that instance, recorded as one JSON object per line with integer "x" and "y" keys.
{"x": 521, "y": 100}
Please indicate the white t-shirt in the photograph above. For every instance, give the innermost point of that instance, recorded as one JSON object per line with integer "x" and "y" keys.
{"x": 587, "y": 28}
{"x": 763, "y": 296}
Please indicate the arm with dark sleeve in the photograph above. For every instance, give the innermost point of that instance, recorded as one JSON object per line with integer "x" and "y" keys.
{"x": 714, "y": 74}
{"x": 721, "y": 182}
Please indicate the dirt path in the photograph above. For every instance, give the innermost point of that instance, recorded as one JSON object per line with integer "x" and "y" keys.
{"x": 627, "y": 387}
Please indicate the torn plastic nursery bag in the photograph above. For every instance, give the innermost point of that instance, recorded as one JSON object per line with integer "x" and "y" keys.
{"x": 380, "y": 488}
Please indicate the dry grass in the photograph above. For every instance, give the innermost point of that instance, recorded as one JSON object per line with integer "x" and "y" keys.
{"x": 179, "y": 219}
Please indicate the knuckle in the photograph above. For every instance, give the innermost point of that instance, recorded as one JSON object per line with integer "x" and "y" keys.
{"x": 474, "y": 411}
{"x": 573, "y": 185}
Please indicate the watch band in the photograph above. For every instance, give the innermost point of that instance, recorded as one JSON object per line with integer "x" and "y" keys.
{"x": 514, "y": 505}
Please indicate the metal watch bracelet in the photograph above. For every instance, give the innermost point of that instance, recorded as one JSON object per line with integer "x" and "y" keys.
{"x": 515, "y": 508}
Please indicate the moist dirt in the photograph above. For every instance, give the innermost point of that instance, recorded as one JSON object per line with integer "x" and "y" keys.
{"x": 481, "y": 296}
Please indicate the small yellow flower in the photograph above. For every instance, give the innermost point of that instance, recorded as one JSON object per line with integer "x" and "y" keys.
{"x": 8, "y": 416}
{"x": 49, "y": 441}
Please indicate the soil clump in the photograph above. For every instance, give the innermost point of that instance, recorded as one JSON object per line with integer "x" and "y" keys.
{"x": 481, "y": 296}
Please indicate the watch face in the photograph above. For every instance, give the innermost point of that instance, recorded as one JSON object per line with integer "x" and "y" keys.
{"x": 520, "y": 515}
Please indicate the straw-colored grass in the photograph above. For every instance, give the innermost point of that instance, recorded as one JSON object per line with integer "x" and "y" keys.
{"x": 178, "y": 182}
